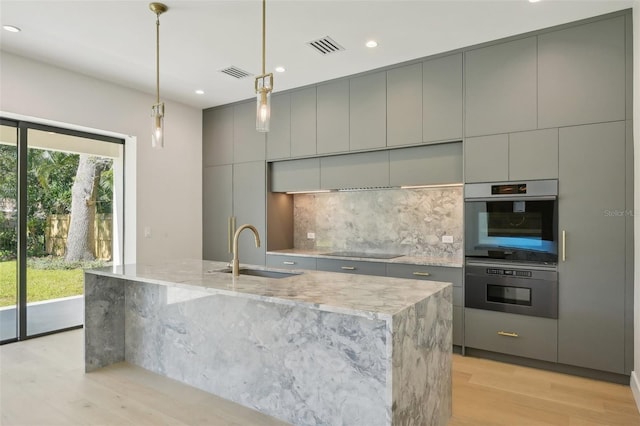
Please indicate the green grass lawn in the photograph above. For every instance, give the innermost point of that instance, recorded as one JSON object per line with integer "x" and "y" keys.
{"x": 42, "y": 284}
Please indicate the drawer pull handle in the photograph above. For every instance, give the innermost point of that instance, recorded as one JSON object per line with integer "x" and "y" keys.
{"x": 564, "y": 246}
{"x": 422, "y": 274}
{"x": 286, "y": 262}
{"x": 508, "y": 334}
{"x": 348, "y": 268}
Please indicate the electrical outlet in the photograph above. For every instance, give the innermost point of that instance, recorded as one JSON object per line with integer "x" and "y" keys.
{"x": 147, "y": 232}
{"x": 311, "y": 235}
{"x": 447, "y": 239}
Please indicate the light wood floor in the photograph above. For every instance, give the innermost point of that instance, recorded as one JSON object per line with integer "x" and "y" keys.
{"x": 42, "y": 383}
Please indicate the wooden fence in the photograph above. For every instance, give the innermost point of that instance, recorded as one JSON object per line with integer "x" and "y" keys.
{"x": 57, "y": 228}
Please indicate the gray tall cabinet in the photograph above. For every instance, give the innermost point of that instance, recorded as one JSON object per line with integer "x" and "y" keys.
{"x": 234, "y": 182}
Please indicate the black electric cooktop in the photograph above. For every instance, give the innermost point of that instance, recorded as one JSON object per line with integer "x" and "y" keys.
{"x": 362, "y": 254}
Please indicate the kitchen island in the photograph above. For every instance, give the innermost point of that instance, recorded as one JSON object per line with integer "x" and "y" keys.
{"x": 313, "y": 348}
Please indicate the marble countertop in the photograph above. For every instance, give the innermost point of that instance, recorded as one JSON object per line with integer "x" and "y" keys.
{"x": 412, "y": 260}
{"x": 361, "y": 295}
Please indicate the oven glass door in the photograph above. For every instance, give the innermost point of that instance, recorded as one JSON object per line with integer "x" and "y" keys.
{"x": 517, "y": 230}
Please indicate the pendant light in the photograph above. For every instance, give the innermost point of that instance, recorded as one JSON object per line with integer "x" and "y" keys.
{"x": 157, "y": 110}
{"x": 264, "y": 85}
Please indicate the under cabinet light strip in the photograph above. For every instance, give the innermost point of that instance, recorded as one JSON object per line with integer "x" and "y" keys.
{"x": 317, "y": 191}
{"x": 443, "y": 185}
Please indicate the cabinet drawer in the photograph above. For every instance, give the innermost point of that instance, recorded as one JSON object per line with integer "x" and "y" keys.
{"x": 291, "y": 262}
{"x": 520, "y": 335}
{"x": 351, "y": 267}
{"x": 457, "y": 325}
{"x": 431, "y": 273}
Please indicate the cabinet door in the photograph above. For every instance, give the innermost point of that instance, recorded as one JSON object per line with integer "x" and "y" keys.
{"x": 333, "y": 117}
{"x": 365, "y": 170}
{"x": 501, "y": 88}
{"x": 426, "y": 165}
{"x": 217, "y": 136}
{"x": 303, "y": 122}
{"x": 486, "y": 158}
{"x": 442, "y": 98}
{"x": 368, "y": 112}
{"x": 279, "y": 136}
{"x": 216, "y": 211}
{"x": 592, "y": 275}
{"x": 426, "y": 272}
{"x": 249, "y": 206}
{"x": 248, "y": 144}
{"x": 533, "y": 155}
{"x": 351, "y": 267}
{"x": 582, "y": 74}
{"x": 291, "y": 262}
{"x": 404, "y": 105}
{"x": 295, "y": 175}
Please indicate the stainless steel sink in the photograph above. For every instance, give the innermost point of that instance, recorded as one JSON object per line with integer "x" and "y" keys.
{"x": 262, "y": 273}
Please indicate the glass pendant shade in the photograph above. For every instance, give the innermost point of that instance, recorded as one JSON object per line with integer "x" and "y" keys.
{"x": 157, "y": 126}
{"x": 263, "y": 106}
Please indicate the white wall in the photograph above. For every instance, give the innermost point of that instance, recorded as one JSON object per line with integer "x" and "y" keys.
{"x": 168, "y": 182}
{"x": 635, "y": 374}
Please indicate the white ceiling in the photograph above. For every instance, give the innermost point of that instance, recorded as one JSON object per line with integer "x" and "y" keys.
{"x": 115, "y": 40}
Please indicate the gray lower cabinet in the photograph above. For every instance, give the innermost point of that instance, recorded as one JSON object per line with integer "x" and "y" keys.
{"x": 249, "y": 207}
{"x": 501, "y": 88}
{"x": 248, "y": 144}
{"x": 217, "y": 203}
{"x": 591, "y": 271}
{"x": 368, "y": 112}
{"x": 217, "y": 136}
{"x": 279, "y": 136}
{"x": 581, "y": 74}
{"x": 333, "y": 117}
{"x": 442, "y": 98}
{"x": 351, "y": 266}
{"x": 404, "y": 105}
{"x": 437, "y": 273}
{"x": 291, "y": 262}
{"x": 423, "y": 165}
{"x": 295, "y": 175}
{"x": 303, "y": 122}
{"x": 367, "y": 169}
{"x": 520, "y": 335}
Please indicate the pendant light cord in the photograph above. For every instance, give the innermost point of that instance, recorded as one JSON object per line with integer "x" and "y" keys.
{"x": 264, "y": 33}
{"x": 157, "y": 58}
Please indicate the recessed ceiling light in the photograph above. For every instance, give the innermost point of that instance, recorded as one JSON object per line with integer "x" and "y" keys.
{"x": 371, "y": 43}
{"x": 11, "y": 28}
{"x": 200, "y": 92}
{"x": 280, "y": 69}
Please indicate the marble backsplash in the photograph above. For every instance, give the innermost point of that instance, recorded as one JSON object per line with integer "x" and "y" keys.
{"x": 409, "y": 222}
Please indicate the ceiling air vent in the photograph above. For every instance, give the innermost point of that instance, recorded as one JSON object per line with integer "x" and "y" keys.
{"x": 235, "y": 72}
{"x": 325, "y": 45}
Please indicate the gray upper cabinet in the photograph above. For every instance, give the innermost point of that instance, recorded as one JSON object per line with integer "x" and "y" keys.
{"x": 303, "y": 122}
{"x": 404, "y": 105}
{"x": 363, "y": 170}
{"x": 533, "y": 155}
{"x": 486, "y": 158}
{"x": 248, "y": 144}
{"x": 217, "y": 136}
{"x": 501, "y": 83}
{"x": 249, "y": 206}
{"x": 442, "y": 98}
{"x": 368, "y": 112}
{"x": 295, "y": 175}
{"x": 581, "y": 74}
{"x": 591, "y": 303}
{"x": 424, "y": 165}
{"x": 333, "y": 117}
{"x": 217, "y": 208}
{"x": 279, "y": 136}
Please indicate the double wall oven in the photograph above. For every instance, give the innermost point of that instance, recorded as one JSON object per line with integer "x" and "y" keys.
{"x": 511, "y": 247}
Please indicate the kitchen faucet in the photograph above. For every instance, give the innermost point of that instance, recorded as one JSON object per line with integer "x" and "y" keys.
{"x": 236, "y": 261}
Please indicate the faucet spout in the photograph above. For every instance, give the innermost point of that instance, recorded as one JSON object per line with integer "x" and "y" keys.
{"x": 236, "y": 260}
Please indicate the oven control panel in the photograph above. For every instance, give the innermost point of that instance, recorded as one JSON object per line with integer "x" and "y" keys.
{"x": 509, "y": 272}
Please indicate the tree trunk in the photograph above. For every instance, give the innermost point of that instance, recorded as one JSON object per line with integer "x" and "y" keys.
{"x": 81, "y": 237}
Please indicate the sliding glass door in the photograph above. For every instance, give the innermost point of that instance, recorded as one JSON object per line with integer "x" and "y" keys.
{"x": 65, "y": 184}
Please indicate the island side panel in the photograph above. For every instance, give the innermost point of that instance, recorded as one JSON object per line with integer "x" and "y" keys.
{"x": 422, "y": 346}
{"x": 103, "y": 321}
{"x": 301, "y": 365}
